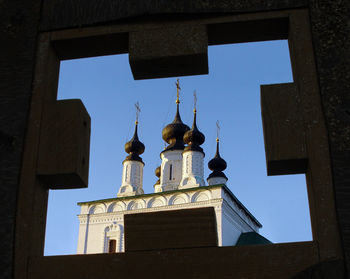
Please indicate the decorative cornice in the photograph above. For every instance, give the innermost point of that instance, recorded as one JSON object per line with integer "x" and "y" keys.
{"x": 118, "y": 215}
{"x": 227, "y": 192}
{"x": 152, "y": 194}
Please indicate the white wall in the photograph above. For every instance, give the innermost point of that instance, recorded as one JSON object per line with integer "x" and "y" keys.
{"x": 173, "y": 158}
{"x": 192, "y": 169}
{"x": 132, "y": 179}
{"x": 230, "y": 231}
{"x": 102, "y": 221}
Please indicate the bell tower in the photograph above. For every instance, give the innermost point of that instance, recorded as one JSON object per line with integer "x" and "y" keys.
{"x": 171, "y": 167}
{"x": 193, "y": 155}
{"x": 132, "y": 177}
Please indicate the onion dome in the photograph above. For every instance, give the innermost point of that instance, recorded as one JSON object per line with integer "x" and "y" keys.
{"x": 194, "y": 138}
{"x": 173, "y": 133}
{"x": 134, "y": 147}
{"x": 157, "y": 173}
{"x": 217, "y": 164}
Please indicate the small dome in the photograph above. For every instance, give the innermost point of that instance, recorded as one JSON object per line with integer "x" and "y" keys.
{"x": 157, "y": 172}
{"x": 134, "y": 147}
{"x": 217, "y": 164}
{"x": 194, "y": 138}
{"x": 173, "y": 133}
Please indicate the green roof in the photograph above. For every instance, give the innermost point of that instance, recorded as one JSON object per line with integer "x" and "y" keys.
{"x": 251, "y": 238}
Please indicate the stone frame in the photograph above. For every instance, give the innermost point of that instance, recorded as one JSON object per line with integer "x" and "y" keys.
{"x": 284, "y": 259}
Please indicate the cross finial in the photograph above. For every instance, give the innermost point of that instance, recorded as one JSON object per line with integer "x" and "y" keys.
{"x": 195, "y": 101}
{"x": 138, "y": 110}
{"x": 178, "y": 88}
{"x": 217, "y": 130}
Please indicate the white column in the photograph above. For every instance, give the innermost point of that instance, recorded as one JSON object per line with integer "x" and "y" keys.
{"x": 132, "y": 179}
{"x": 192, "y": 169}
{"x": 83, "y": 230}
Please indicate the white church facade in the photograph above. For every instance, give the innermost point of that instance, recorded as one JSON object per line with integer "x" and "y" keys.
{"x": 181, "y": 185}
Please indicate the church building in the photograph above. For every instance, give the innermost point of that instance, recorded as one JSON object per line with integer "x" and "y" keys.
{"x": 181, "y": 185}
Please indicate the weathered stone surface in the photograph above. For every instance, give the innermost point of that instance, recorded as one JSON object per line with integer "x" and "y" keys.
{"x": 59, "y": 14}
{"x": 323, "y": 270}
{"x": 18, "y": 32}
{"x": 92, "y": 46}
{"x": 330, "y": 29}
{"x": 246, "y": 262}
{"x": 184, "y": 228}
{"x": 284, "y": 133}
{"x": 166, "y": 52}
{"x": 65, "y": 136}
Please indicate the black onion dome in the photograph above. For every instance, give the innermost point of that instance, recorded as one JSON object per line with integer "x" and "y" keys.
{"x": 134, "y": 147}
{"x": 173, "y": 133}
{"x": 217, "y": 164}
{"x": 194, "y": 138}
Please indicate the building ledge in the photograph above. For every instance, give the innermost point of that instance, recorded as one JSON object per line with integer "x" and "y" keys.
{"x": 223, "y": 186}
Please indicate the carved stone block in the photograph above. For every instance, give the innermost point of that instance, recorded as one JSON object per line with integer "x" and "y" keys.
{"x": 174, "y": 51}
{"x": 171, "y": 229}
{"x": 64, "y": 145}
{"x": 284, "y": 135}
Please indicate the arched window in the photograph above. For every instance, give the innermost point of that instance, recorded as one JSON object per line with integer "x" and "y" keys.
{"x": 170, "y": 171}
{"x": 112, "y": 245}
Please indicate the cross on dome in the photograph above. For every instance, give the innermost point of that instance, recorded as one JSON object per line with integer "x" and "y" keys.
{"x": 178, "y": 88}
{"x": 217, "y": 130}
{"x": 138, "y": 110}
{"x": 194, "y": 138}
{"x": 195, "y": 101}
{"x": 173, "y": 133}
{"x": 135, "y": 147}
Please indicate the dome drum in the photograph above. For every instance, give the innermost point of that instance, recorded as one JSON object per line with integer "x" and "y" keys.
{"x": 217, "y": 174}
{"x": 133, "y": 157}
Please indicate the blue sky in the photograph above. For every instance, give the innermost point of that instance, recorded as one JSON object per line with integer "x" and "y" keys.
{"x": 230, "y": 93}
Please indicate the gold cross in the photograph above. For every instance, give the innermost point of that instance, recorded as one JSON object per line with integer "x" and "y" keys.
{"x": 138, "y": 110}
{"x": 217, "y": 130}
{"x": 178, "y": 88}
{"x": 195, "y": 101}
